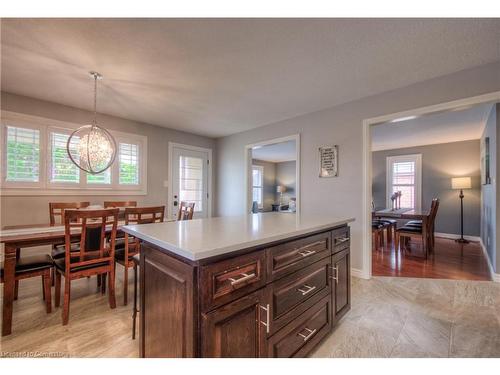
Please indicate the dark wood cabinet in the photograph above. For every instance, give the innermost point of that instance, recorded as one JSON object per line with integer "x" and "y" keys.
{"x": 238, "y": 329}
{"x": 279, "y": 300}
{"x": 341, "y": 275}
{"x": 167, "y": 325}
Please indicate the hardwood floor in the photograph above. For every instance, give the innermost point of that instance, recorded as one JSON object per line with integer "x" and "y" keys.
{"x": 445, "y": 263}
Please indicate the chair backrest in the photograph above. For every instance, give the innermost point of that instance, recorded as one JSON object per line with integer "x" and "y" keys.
{"x": 144, "y": 215}
{"x": 186, "y": 211}
{"x": 434, "y": 210}
{"x": 119, "y": 204}
{"x": 93, "y": 226}
{"x": 57, "y": 209}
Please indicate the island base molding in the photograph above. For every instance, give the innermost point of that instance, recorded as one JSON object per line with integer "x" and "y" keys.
{"x": 277, "y": 300}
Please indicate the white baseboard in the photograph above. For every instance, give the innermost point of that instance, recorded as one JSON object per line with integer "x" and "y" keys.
{"x": 457, "y": 236}
{"x": 494, "y": 276}
{"x": 356, "y": 272}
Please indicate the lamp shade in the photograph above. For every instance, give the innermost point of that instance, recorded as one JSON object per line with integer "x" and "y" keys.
{"x": 280, "y": 189}
{"x": 461, "y": 183}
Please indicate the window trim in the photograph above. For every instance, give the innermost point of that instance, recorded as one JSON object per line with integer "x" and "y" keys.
{"x": 44, "y": 186}
{"x": 417, "y": 159}
{"x": 261, "y": 168}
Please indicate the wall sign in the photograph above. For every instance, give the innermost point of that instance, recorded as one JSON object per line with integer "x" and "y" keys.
{"x": 329, "y": 161}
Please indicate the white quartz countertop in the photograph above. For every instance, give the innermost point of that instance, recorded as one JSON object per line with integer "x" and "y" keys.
{"x": 204, "y": 238}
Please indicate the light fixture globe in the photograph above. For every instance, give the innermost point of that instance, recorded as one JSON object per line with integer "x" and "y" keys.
{"x": 91, "y": 147}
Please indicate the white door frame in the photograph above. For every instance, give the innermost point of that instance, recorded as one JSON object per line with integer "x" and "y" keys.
{"x": 367, "y": 160}
{"x": 248, "y": 163}
{"x": 171, "y": 146}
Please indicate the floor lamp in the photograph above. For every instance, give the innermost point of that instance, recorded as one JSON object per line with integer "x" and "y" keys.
{"x": 461, "y": 183}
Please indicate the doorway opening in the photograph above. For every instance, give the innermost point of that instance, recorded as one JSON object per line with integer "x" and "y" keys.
{"x": 420, "y": 177}
{"x": 273, "y": 176}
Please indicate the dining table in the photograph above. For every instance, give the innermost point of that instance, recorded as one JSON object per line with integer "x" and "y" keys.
{"x": 15, "y": 238}
{"x": 409, "y": 214}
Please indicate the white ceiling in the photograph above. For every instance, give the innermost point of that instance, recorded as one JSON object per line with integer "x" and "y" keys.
{"x": 453, "y": 126}
{"x": 275, "y": 153}
{"x": 221, "y": 76}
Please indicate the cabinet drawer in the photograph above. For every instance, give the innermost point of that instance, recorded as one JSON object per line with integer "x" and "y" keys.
{"x": 304, "y": 333}
{"x": 224, "y": 281}
{"x": 295, "y": 293}
{"x": 341, "y": 239}
{"x": 294, "y": 255}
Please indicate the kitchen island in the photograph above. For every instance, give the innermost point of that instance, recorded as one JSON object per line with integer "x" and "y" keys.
{"x": 260, "y": 285}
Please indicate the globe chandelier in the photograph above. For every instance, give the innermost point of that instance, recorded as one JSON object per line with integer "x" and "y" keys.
{"x": 91, "y": 147}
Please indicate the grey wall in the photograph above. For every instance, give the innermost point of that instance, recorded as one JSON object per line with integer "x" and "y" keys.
{"x": 285, "y": 175}
{"x": 489, "y": 194}
{"x": 341, "y": 125}
{"x": 34, "y": 209}
{"x": 440, "y": 163}
{"x": 269, "y": 183}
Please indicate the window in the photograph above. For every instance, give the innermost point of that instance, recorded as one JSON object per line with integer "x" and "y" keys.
{"x": 62, "y": 169}
{"x": 34, "y": 155}
{"x": 129, "y": 164}
{"x": 258, "y": 184}
{"x": 404, "y": 175}
{"x": 191, "y": 181}
{"x": 22, "y": 154}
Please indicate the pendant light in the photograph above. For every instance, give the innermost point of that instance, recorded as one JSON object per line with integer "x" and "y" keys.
{"x": 91, "y": 147}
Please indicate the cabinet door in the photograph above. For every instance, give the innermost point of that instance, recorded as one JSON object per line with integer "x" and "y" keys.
{"x": 341, "y": 274}
{"x": 167, "y": 306}
{"x": 237, "y": 329}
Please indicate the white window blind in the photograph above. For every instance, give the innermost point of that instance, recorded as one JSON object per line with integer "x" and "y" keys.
{"x": 62, "y": 169}
{"x": 258, "y": 184}
{"x": 129, "y": 164}
{"x": 101, "y": 178}
{"x": 191, "y": 181}
{"x": 404, "y": 175}
{"x": 22, "y": 154}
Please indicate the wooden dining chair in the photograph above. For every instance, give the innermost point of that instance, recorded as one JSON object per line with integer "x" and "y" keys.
{"x": 409, "y": 232}
{"x": 94, "y": 256}
{"x": 56, "y": 214}
{"x": 33, "y": 266}
{"x": 186, "y": 211}
{"x": 433, "y": 214}
{"x": 128, "y": 247}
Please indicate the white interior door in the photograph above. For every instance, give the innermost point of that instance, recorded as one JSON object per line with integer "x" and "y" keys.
{"x": 189, "y": 180}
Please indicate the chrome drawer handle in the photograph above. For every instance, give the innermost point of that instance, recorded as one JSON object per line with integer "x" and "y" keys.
{"x": 336, "y": 277}
{"x": 266, "y": 323}
{"x": 245, "y": 277}
{"x": 341, "y": 240}
{"x": 310, "y": 332}
{"x": 306, "y": 253}
{"x": 307, "y": 291}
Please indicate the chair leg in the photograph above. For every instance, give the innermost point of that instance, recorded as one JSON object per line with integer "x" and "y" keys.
{"x": 43, "y": 288}
{"x": 46, "y": 280}
{"x": 396, "y": 241}
{"x": 99, "y": 280}
{"x": 103, "y": 283}
{"x": 111, "y": 286}
{"x": 125, "y": 285}
{"x": 67, "y": 296}
{"x": 376, "y": 241}
{"x": 58, "y": 289}
{"x": 134, "y": 312}
{"x": 16, "y": 289}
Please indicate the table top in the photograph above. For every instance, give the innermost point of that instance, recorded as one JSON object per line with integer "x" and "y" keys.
{"x": 204, "y": 238}
{"x": 402, "y": 213}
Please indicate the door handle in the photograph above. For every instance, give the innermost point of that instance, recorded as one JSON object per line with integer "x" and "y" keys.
{"x": 336, "y": 277}
{"x": 266, "y": 323}
{"x": 308, "y": 290}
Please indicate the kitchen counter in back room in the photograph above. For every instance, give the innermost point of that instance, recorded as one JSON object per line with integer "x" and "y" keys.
{"x": 258, "y": 285}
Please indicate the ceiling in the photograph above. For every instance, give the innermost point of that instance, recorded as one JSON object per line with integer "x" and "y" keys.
{"x": 451, "y": 126}
{"x": 275, "y": 153}
{"x": 217, "y": 77}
